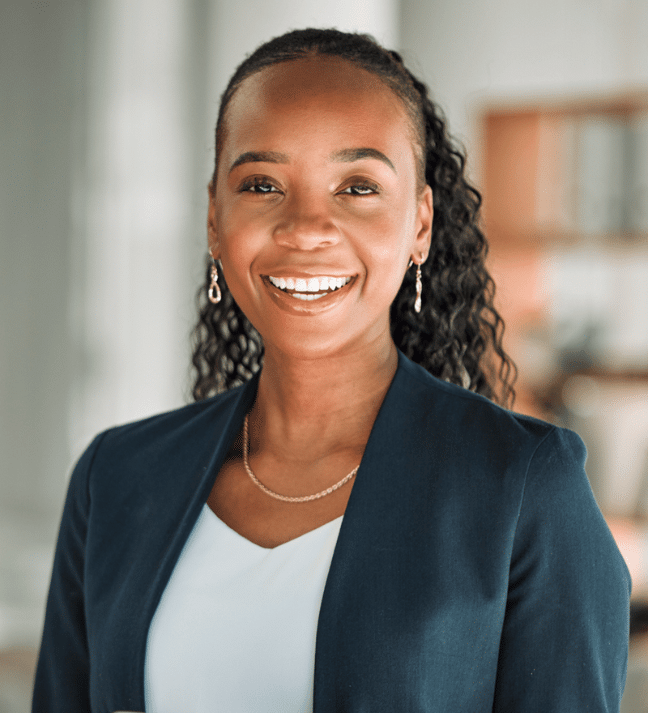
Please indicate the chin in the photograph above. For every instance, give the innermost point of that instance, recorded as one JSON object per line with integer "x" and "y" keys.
{"x": 316, "y": 346}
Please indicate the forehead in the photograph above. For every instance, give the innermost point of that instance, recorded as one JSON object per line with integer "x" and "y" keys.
{"x": 314, "y": 100}
{"x": 311, "y": 76}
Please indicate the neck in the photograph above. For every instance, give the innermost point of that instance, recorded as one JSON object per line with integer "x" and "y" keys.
{"x": 313, "y": 407}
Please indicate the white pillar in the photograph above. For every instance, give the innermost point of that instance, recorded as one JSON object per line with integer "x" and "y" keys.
{"x": 127, "y": 306}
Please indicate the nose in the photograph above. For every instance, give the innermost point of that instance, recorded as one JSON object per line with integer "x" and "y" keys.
{"x": 306, "y": 224}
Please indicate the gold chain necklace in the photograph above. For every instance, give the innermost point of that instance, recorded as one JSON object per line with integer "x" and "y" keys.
{"x": 286, "y": 498}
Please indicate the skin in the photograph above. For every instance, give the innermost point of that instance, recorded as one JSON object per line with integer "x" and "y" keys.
{"x": 328, "y": 363}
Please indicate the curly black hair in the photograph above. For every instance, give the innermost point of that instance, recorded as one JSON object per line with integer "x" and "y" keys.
{"x": 457, "y": 336}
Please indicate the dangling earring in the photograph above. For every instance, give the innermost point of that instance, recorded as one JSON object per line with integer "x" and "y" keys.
{"x": 419, "y": 289}
{"x": 214, "y": 299}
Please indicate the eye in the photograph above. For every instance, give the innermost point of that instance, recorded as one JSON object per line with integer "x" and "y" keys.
{"x": 258, "y": 186}
{"x": 364, "y": 188}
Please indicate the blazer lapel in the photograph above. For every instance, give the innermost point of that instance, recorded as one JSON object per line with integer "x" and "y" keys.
{"x": 375, "y": 540}
{"x": 156, "y": 544}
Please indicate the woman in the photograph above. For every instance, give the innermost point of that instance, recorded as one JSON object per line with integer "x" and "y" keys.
{"x": 355, "y": 526}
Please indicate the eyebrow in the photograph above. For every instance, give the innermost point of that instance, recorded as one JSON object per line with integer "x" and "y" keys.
{"x": 350, "y": 155}
{"x": 343, "y": 156}
{"x": 260, "y": 157}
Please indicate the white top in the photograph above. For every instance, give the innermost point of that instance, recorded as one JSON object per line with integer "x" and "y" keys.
{"x": 235, "y": 628}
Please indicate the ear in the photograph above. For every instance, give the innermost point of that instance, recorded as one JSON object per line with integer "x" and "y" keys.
{"x": 425, "y": 214}
{"x": 212, "y": 235}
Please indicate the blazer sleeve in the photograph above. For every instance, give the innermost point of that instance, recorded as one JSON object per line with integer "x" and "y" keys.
{"x": 564, "y": 644}
{"x": 62, "y": 674}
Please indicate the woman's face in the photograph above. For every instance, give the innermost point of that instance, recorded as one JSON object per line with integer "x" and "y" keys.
{"x": 316, "y": 180}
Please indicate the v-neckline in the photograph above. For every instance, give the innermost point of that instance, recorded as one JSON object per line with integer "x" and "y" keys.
{"x": 249, "y": 542}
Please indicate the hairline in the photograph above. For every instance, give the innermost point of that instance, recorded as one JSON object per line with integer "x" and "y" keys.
{"x": 315, "y": 53}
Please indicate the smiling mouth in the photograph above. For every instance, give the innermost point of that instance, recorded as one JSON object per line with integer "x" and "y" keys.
{"x": 313, "y": 288}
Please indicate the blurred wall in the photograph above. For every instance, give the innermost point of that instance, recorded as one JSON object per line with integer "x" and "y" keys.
{"x": 43, "y": 50}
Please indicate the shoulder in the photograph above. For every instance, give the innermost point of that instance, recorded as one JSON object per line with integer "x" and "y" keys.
{"x": 162, "y": 451}
{"x": 535, "y": 467}
{"x": 181, "y": 424}
{"x": 453, "y": 414}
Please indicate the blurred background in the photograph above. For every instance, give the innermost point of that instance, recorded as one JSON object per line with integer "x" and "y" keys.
{"x": 106, "y": 122}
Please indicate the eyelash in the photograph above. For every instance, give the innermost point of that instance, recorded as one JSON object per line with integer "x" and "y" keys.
{"x": 363, "y": 184}
{"x": 256, "y": 182}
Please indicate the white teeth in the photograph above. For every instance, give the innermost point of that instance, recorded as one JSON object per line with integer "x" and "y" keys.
{"x": 307, "y": 297}
{"x": 307, "y": 289}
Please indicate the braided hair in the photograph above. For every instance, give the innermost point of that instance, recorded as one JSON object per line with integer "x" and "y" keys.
{"x": 457, "y": 336}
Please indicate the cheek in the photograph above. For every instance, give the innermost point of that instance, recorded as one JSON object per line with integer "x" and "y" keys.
{"x": 392, "y": 256}
{"x": 238, "y": 235}
{"x": 238, "y": 248}
{"x": 386, "y": 248}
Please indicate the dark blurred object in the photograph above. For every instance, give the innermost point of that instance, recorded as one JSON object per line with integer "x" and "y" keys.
{"x": 638, "y": 618}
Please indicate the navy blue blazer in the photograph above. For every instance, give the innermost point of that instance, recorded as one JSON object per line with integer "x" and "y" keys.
{"x": 473, "y": 570}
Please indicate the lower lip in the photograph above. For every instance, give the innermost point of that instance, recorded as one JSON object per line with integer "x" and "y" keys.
{"x": 306, "y": 307}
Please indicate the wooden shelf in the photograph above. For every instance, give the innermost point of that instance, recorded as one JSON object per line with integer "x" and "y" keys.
{"x": 612, "y": 375}
{"x": 567, "y": 172}
{"x": 566, "y": 209}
